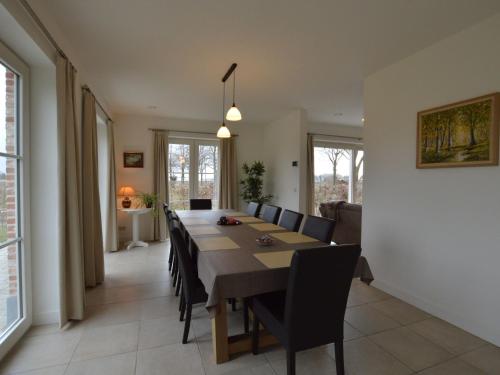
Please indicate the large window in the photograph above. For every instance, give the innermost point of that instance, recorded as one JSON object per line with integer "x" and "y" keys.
{"x": 193, "y": 171}
{"x": 14, "y": 304}
{"x": 338, "y": 173}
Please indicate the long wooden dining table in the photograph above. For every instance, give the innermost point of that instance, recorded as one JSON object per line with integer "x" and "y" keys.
{"x": 231, "y": 264}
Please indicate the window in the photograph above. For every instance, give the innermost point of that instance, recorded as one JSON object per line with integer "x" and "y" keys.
{"x": 14, "y": 308}
{"x": 193, "y": 171}
{"x": 338, "y": 173}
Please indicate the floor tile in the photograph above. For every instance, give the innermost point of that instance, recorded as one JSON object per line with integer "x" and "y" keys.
{"x": 108, "y": 340}
{"x": 410, "y": 348}
{"x": 175, "y": 359}
{"x": 114, "y": 313}
{"x": 368, "y": 320}
{"x": 486, "y": 358}
{"x": 159, "y": 307}
{"x": 45, "y": 329}
{"x": 350, "y": 332}
{"x": 447, "y": 335}
{"x": 161, "y": 332}
{"x": 363, "y": 357}
{"x": 122, "y": 364}
{"x": 40, "y": 351}
{"x": 265, "y": 369}
{"x": 453, "y": 367}
{"x": 312, "y": 363}
{"x": 55, "y": 370}
{"x": 363, "y": 293}
{"x": 400, "y": 311}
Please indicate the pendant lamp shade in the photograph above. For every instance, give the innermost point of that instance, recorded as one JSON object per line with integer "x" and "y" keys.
{"x": 233, "y": 114}
{"x": 223, "y": 132}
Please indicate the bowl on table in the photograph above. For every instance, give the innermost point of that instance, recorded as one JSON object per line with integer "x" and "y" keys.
{"x": 264, "y": 240}
{"x": 228, "y": 220}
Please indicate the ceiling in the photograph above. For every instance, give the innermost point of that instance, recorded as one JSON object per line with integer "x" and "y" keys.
{"x": 311, "y": 54}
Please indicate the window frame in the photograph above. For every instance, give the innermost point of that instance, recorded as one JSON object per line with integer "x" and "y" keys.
{"x": 17, "y": 329}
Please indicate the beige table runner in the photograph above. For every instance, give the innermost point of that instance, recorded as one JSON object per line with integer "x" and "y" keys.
{"x": 194, "y": 221}
{"x": 249, "y": 219}
{"x": 293, "y": 237}
{"x": 264, "y": 227}
{"x": 236, "y": 214}
{"x": 275, "y": 259}
{"x": 202, "y": 230}
{"x": 216, "y": 243}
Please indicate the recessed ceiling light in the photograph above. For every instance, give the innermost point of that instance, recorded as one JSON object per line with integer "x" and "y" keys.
{"x": 152, "y": 107}
{"x": 338, "y": 114}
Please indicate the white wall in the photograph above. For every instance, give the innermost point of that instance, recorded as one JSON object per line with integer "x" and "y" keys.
{"x": 432, "y": 236}
{"x": 132, "y": 134}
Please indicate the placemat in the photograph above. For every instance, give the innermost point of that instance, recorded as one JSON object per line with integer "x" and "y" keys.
{"x": 265, "y": 227}
{"x": 194, "y": 221}
{"x": 275, "y": 259}
{"x": 235, "y": 214}
{"x": 293, "y": 237}
{"x": 201, "y": 230}
{"x": 216, "y": 243}
{"x": 249, "y": 219}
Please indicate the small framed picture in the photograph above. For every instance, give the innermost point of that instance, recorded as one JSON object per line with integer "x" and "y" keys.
{"x": 133, "y": 159}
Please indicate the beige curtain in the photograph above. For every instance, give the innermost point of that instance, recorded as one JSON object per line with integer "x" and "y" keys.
{"x": 111, "y": 235}
{"x": 310, "y": 175}
{"x": 228, "y": 186}
{"x": 71, "y": 281}
{"x": 93, "y": 254}
{"x": 160, "y": 181}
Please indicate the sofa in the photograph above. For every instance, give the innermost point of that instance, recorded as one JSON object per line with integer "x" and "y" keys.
{"x": 348, "y": 221}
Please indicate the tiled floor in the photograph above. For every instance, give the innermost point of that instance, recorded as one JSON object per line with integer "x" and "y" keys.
{"x": 133, "y": 328}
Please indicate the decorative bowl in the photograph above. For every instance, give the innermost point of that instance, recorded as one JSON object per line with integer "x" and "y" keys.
{"x": 264, "y": 240}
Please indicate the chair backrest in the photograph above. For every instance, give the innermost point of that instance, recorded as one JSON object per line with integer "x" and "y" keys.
{"x": 318, "y": 286}
{"x": 186, "y": 266}
{"x": 253, "y": 209}
{"x": 271, "y": 214}
{"x": 200, "y": 204}
{"x": 165, "y": 208}
{"x": 320, "y": 228}
{"x": 291, "y": 220}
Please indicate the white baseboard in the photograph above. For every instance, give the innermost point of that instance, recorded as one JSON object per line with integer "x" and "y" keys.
{"x": 467, "y": 324}
{"x": 48, "y": 317}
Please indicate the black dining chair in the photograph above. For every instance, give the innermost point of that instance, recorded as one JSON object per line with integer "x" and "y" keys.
{"x": 320, "y": 228}
{"x": 200, "y": 204}
{"x": 291, "y": 220}
{"x": 271, "y": 214}
{"x": 193, "y": 291}
{"x": 311, "y": 311}
{"x": 253, "y": 209}
{"x": 167, "y": 211}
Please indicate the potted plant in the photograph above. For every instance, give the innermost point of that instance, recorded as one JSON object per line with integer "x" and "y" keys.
{"x": 253, "y": 182}
{"x": 149, "y": 200}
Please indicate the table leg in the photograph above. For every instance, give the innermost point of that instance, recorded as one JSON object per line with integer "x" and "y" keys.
{"x": 220, "y": 334}
{"x": 135, "y": 228}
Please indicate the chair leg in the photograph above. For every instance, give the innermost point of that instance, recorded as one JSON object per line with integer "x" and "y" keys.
{"x": 174, "y": 265}
{"x": 178, "y": 287}
{"x": 339, "y": 357}
{"x": 170, "y": 258}
{"x": 233, "y": 304}
{"x": 175, "y": 272}
{"x": 245, "y": 315}
{"x": 290, "y": 363}
{"x": 187, "y": 324}
{"x": 255, "y": 335}
{"x": 183, "y": 308}
{"x": 181, "y": 300}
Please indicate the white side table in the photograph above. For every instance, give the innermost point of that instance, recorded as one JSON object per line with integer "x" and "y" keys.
{"x": 135, "y": 212}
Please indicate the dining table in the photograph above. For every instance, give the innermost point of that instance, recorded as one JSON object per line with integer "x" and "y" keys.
{"x": 232, "y": 264}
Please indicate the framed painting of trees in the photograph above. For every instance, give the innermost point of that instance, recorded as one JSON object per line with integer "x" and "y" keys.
{"x": 460, "y": 134}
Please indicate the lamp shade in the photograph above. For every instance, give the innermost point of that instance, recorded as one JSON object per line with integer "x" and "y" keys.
{"x": 233, "y": 114}
{"x": 126, "y": 191}
{"x": 223, "y": 132}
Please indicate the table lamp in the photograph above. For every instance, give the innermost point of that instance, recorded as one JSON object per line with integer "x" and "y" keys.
{"x": 126, "y": 191}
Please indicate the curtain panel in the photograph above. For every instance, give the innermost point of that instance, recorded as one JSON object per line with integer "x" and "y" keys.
{"x": 111, "y": 235}
{"x": 93, "y": 252}
{"x": 228, "y": 185}
{"x": 71, "y": 279}
{"x": 310, "y": 175}
{"x": 160, "y": 181}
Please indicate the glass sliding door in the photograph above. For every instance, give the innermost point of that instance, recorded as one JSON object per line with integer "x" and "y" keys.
{"x": 193, "y": 171}
{"x": 338, "y": 173}
{"x": 15, "y": 305}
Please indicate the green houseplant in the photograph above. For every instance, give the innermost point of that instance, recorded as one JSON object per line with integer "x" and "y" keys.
{"x": 253, "y": 182}
{"x": 149, "y": 200}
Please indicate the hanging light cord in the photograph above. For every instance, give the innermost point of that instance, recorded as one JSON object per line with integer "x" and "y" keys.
{"x": 223, "y": 100}
{"x": 234, "y": 85}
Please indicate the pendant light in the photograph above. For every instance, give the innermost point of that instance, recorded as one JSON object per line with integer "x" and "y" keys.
{"x": 234, "y": 113}
{"x": 223, "y": 131}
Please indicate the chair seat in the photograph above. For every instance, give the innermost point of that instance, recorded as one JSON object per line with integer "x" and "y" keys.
{"x": 270, "y": 308}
